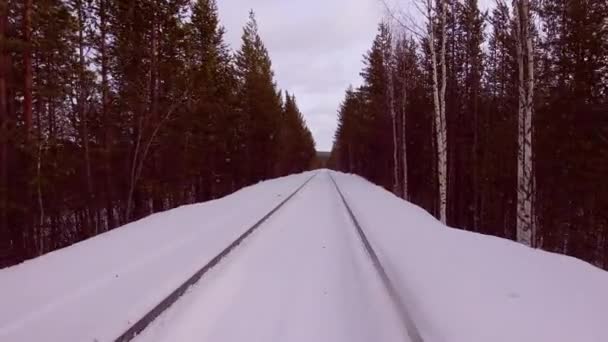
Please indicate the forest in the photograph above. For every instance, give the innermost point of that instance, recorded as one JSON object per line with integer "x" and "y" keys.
{"x": 494, "y": 121}
{"x": 113, "y": 110}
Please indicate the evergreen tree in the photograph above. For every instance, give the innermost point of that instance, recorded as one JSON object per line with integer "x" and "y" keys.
{"x": 378, "y": 107}
{"x": 550, "y": 194}
{"x": 258, "y": 106}
{"x": 572, "y": 101}
{"x": 136, "y": 107}
{"x": 296, "y": 146}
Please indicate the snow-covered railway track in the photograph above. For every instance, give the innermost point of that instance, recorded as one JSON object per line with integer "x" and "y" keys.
{"x": 412, "y": 331}
{"x": 149, "y": 317}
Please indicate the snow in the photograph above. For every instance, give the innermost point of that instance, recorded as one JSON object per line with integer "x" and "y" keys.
{"x": 304, "y": 276}
{"x": 96, "y": 289}
{"x": 463, "y": 286}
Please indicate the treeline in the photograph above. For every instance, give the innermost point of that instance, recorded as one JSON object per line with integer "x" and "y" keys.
{"x": 112, "y": 110}
{"x": 505, "y": 111}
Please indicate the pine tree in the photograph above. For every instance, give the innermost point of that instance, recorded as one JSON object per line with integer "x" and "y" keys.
{"x": 569, "y": 150}
{"x": 378, "y": 106}
{"x": 258, "y": 106}
{"x": 548, "y": 88}
{"x": 135, "y": 107}
{"x": 296, "y": 146}
{"x": 214, "y": 121}
{"x": 499, "y": 128}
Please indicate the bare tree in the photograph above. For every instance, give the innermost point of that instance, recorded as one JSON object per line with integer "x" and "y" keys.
{"x": 434, "y": 16}
{"x": 403, "y": 73}
{"x": 388, "y": 68}
{"x": 525, "y": 169}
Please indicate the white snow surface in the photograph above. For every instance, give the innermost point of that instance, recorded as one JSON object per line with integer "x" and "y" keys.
{"x": 304, "y": 275}
{"x": 96, "y": 289}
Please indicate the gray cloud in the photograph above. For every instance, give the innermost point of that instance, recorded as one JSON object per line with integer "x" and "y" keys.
{"x": 316, "y": 47}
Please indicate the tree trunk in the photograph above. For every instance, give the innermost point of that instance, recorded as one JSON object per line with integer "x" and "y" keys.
{"x": 404, "y": 185}
{"x": 525, "y": 171}
{"x": 40, "y": 237}
{"x": 27, "y": 65}
{"x": 107, "y": 135}
{"x": 393, "y": 115}
{"x": 439, "y": 105}
{"x": 4, "y": 65}
{"x": 83, "y": 114}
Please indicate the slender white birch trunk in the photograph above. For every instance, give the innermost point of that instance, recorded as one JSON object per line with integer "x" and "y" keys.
{"x": 439, "y": 105}
{"x": 404, "y": 185}
{"x": 525, "y": 170}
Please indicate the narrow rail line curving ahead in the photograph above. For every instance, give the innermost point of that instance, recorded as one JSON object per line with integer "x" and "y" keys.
{"x": 149, "y": 317}
{"x": 410, "y": 326}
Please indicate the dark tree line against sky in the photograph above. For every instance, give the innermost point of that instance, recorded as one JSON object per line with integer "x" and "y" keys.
{"x": 569, "y": 61}
{"x": 112, "y": 110}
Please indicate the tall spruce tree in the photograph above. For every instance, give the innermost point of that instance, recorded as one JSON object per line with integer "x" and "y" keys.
{"x": 259, "y": 105}
{"x": 378, "y": 107}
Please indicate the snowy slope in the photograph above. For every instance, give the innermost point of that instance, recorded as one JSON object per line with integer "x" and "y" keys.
{"x": 304, "y": 276}
{"x": 95, "y": 289}
{"x": 466, "y": 287}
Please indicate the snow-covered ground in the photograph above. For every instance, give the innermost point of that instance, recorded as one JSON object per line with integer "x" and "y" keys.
{"x": 466, "y": 287}
{"x": 96, "y": 289}
{"x": 304, "y": 276}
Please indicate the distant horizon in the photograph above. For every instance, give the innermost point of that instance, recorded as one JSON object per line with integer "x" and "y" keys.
{"x": 315, "y": 55}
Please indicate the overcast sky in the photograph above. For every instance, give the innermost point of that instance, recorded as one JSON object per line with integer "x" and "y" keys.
{"x": 316, "y": 47}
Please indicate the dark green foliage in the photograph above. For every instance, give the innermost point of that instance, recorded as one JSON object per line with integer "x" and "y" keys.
{"x": 570, "y": 136}
{"x": 138, "y": 106}
{"x": 572, "y": 108}
{"x": 259, "y": 104}
{"x": 296, "y": 148}
{"x": 364, "y": 118}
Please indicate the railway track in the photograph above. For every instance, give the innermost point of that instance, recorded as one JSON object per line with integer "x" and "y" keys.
{"x": 163, "y": 305}
{"x": 411, "y": 328}
{"x": 412, "y": 331}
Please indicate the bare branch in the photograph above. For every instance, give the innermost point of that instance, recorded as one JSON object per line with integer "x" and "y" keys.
{"x": 411, "y": 27}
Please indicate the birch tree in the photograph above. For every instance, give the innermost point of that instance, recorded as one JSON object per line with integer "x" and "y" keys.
{"x": 439, "y": 85}
{"x": 439, "y": 101}
{"x": 434, "y": 34}
{"x": 390, "y": 96}
{"x": 525, "y": 168}
{"x": 405, "y": 77}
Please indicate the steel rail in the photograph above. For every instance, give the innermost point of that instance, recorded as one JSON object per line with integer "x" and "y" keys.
{"x": 410, "y": 325}
{"x": 149, "y": 317}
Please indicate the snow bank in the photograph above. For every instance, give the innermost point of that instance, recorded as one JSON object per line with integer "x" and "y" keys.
{"x": 467, "y": 287}
{"x": 94, "y": 290}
